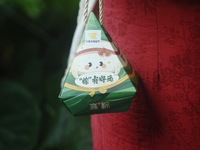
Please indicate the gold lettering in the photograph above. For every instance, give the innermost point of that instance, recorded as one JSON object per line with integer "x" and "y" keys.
{"x": 93, "y": 106}
{"x": 105, "y": 105}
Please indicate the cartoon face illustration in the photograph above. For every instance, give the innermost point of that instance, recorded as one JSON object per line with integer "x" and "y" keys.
{"x": 93, "y": 62}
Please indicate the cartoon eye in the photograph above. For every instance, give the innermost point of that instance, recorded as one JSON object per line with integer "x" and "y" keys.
{"x": 90, "y": 64}
{"x": 100, "y": 63}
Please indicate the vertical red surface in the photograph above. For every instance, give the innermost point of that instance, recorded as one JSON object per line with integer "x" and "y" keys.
{"x": 161, "y": 39}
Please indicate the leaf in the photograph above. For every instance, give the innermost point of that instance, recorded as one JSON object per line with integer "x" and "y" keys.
{"x": 32, "y": 7}
{"x": 69, "y": 132}
{"x": 19, "y": 117}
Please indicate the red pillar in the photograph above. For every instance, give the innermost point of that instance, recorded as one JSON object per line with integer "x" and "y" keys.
{"x": 161, "y": 39}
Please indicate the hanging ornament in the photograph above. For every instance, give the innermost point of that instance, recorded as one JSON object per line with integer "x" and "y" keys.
{"x": 100, "y": 79}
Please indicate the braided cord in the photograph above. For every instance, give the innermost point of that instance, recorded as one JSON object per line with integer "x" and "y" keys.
{"x": 100, "y": 11}
{"x": 86, "y": 10}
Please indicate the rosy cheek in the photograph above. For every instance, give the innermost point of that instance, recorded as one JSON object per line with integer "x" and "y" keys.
{"x": 104, "y": 66}
{"x": 87, "y": 67}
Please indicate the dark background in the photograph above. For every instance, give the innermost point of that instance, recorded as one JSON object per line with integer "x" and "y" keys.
{"x": 35, "y": 38}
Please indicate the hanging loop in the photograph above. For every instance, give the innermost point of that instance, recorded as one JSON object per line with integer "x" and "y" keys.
{"x": 100, "y": 11}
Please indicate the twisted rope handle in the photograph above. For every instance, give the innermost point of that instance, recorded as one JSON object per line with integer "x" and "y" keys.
{"x": 86, "y": 10}
{"x": 100, "y": 11}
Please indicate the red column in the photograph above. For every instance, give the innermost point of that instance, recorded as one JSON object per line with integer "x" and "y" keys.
{"x": 161, "y": 39}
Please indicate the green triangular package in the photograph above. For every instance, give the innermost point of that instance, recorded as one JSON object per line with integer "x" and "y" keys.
{"x": 100, "y": 79}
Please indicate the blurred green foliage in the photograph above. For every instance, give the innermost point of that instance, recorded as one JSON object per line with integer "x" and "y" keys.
{"x": 35, "y": 38}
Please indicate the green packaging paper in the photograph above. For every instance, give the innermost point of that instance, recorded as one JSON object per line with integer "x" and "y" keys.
{"x": 100, "y": 79}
